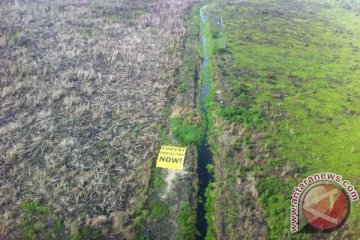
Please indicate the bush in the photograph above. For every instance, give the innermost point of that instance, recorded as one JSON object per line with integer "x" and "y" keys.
{"x": 159, "y": 209}
{"x": 270, "y": 190}
{"x": 186, "y": 219}
{"x": 270, "y": 185}
{"x": 209, "y": 212}
{"x": 186, "y": 132}
{"x": 248, "y": 117}
{"x": 223, "y": 50}
{"x": 210, "y": 168}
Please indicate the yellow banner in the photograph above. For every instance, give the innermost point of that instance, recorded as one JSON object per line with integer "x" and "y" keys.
{"x": 171, "y": 157}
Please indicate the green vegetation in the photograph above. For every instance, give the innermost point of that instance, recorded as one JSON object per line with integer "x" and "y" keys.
{"x": 274, "y": 195}
{"x": 35, "y": 207}
{"x": 14, "y": 34}
{"x": 186, "y": 132}
{"x": 154, "y": 209}
{"x": 250, "y": 118}
{"x": 210, "y": 108}
{"x": 288, "y": 75}
{"x": 84, "y": 233}
{"x": 30, "y": 229}
{"x": 186, "y": 219}
{"x": 39, "y": 222}
{"x": 182, "y": 88}
{"x": 33, "y": 222}
{"x": 102, "y": 143}
{"x": 157, "y": 180}
{"x": 58, "y": 225}
{"x": 210, "y": 168}
{"x": 158, "y": 209}
{"x": 209, "y": 211}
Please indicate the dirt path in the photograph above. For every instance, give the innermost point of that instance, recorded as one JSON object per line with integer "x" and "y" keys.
{"x": 169, "y": 182}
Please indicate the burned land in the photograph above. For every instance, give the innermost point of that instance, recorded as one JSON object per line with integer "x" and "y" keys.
{"x": 83, "y": 85}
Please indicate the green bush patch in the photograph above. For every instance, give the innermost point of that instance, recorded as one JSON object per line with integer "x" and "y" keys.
{"x": 186, "y": 219}
{"x": 251, "y": 118}
{"x": 35, "y": 207}
{"x": 186, "y": 132}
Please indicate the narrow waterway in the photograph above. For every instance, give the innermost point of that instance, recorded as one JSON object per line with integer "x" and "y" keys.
{"x": 204, "y": 154}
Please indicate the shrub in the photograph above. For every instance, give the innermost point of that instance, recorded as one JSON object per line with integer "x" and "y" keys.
{"x": 210, "y": 168}
{"x": 186, "y": 219}
{"x": 186, "y": 132}
{"x": 208, "y": 206}
{"x": 223, "y": 50}
{"x": 248, "y": 117}
{"x": 270, "y": 190}
{"x": 159, "y": 209}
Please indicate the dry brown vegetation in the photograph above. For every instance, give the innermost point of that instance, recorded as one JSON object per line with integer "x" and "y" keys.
{"x": 82, "y": 87}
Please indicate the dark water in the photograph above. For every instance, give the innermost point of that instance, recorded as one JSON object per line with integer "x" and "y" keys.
{"x": 204, "y": 154}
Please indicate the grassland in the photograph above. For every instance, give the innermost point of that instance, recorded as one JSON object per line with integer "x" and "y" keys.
{"x": 83, "y": 88}
{"x": 287, "y": 74}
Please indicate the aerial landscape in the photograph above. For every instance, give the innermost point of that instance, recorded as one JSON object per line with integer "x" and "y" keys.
{"x": 179, "y": 119}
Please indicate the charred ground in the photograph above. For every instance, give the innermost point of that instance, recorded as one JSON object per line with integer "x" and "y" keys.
{"x": 83, "y": 90}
